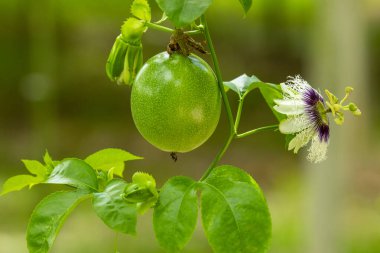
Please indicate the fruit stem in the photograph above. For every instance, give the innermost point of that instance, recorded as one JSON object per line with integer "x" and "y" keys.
{"x": 260, "y": 129}
{"x": 169, "y": 30}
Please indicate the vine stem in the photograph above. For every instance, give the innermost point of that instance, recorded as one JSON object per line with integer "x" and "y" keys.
{"x": 218, "y": 73}
{"x": 232, "y": 125}
{"x": 226, "y": 103}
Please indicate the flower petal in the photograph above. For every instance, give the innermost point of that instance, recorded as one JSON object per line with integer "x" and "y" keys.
{"x": 289, "y": 106}
{"x": 317, "y": 150}
{"x": 293, "y": 125}
{"x": 300, "y": 140}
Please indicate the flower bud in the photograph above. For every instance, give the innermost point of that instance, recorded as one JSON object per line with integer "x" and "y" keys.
{"x": 141, "y": 191}
{"x": 132, "y": 63}
{"x": 124, "y": 61}
{"x": 115, "y": 62}
{"x": 134, "y": 193}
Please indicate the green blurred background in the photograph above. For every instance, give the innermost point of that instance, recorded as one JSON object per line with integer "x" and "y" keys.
{"x": 54, "y": 95}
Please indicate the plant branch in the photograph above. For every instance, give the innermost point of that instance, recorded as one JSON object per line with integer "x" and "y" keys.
{"x": 260, "y": 129}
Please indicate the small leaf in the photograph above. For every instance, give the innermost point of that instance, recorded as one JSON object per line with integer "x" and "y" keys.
{"x": 74, "y": 172}
{"x": 50, "y": 164}
{"x": 48, "y": 217}
{"x": 175, "y": 214}
{"x": 115, "y": 212}
{"x": 235, "y": 215}
{"x": 35, "y": 168}
{"x": 18, "y": 182}
{"x": 183, "y": 12}
{"x": 140, "y": 9}
{"x": 110, "y": 158}
{"x": 246, "y": 4}
{"x": 242, "y": 84}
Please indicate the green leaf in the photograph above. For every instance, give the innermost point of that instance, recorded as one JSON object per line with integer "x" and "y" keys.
{"x": 183, "y": 12}
{"x": 18, "y": 182}
{"x": 246, "y": 4}
{"x": 74, "y": 172}
{"x": 48, "y": 217}
{"x": 109, "y": 158}
{"x": 235, "y": 215}
{"x": 114, "y": 210}
{"x": 140, "y": 9}
{"x": 175, "y": 214}
{"x": 242, "y": 84}
{"x": 50, "y": 164}
{"x": 35, "y": 168}
{"x": 270, "y": 92}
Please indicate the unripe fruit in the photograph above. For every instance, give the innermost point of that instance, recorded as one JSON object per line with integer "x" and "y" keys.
{"x": 175, "y": 102}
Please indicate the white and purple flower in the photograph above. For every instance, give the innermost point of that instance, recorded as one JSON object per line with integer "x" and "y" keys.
{"x": 306, "y": 118}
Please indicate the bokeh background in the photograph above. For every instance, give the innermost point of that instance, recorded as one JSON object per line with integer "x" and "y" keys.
{"x": 54, "y": 95}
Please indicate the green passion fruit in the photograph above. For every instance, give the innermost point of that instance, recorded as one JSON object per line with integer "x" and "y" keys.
{"x": 175, "y": 102}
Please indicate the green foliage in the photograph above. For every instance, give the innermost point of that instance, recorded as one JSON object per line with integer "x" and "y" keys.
{"x": 140, "y": 9}
{"x": 86, "y": 176}
{"x": 110, "y": 158}
{"x": 113, "y": 210}
{"x": 175, "y": 214}
{"x": 48, "y": 217}
{"x": 18, "y": 182}
{"x": 74, "y": 172}
{"x": 49, "y": 163}
{"x": 36, "y": 168}
{"x": 235, "y": 215}
{"x": 183, "y": 12}
{"x": 243, "y": 84}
